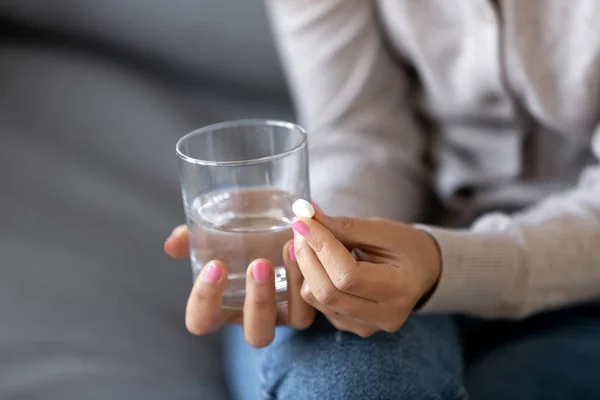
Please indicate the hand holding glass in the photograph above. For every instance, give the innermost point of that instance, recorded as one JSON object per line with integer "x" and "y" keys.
{"x": 239, "y": 180}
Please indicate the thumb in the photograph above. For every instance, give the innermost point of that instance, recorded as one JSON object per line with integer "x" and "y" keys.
{"x": 355, "y": 232}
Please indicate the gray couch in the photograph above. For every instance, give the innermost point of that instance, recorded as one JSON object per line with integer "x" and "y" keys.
{"x": 93, "y": 95}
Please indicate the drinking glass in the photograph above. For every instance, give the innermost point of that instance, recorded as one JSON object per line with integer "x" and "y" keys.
{"x": 239, "y": 180}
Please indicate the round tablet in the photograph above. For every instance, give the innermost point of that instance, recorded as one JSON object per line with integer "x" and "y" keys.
{"x": 303, "y": 208}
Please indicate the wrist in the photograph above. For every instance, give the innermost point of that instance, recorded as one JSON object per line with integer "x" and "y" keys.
{"x": 430, "y": 260}
{"x": 482, "y": 273}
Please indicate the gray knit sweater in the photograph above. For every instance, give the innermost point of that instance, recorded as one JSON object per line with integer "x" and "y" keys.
{"x": 490, "y": 107}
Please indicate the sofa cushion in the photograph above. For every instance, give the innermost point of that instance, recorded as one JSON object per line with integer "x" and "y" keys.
{"x": 225, "y": 39}
{"x": 90, "y": 307}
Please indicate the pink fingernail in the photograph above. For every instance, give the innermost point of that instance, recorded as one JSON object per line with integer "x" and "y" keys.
{"x": 212, "y": 272}
{"x": 261, "y": 271}
{"x": 292, "y": 253}
{"x": 301, "y": 228}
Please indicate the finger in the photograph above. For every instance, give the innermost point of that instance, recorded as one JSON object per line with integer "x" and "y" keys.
{"x": 364, "y": 312}
{"x": 177, "y": 244}
{"x": 316, "y": 277}
{"x": 260, "y": 310}
{"x": 327, "y": 247}
{"x": 319, "y": 291}
{"x": 359, "y": 278}
{"x": 300, "y": 314}
{"x": 203, "y": 311}
{"x": 339, "y": 321}
{"x": 313, "y": 271}
{"x": 357, "y": 232}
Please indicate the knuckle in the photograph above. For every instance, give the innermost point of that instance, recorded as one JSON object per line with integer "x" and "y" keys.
{"x": 303, "y": 323}
{"x": 202, "y": 294}
{"x": 327, "y": 295}
{"x": 346, "y": 282}
{"x": 346, "y": 223}
{"x": 318, "y": 245}
{"x": 307, "y": 295}
{"x": 364, "y": 333}
{"x": 300, "y": 250}
{"x": 262, "y": 301}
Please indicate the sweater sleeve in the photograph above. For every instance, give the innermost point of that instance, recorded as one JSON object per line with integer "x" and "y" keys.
{"x": 366, "y": 150}
{"x": 545, "y": 257}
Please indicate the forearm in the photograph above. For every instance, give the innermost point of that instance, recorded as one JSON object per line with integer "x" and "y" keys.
{"x": 545, "y": 257}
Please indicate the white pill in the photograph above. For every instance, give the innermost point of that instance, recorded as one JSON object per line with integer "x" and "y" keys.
{"x": 303, "y": 208}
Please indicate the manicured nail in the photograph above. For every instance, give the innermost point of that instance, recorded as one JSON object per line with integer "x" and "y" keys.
{"x": 212, "y": 272}
{"x": 301, "y": 228}
{"x": 261, "y": 271}
{"x": 303, "y": 208}
{"x": 292, "y": 253}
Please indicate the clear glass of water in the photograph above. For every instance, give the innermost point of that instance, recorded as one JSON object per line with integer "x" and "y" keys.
{"x": 239, "y": 180}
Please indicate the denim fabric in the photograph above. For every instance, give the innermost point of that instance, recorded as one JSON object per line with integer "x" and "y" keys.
{"x": 551, "y": 356}
{"x": 242, "y": 363}
{"x": 422, "y": 360}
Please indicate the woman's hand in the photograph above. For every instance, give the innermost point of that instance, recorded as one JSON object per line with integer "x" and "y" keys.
{"x": 260, "y": 315}
{"x": 394, "y": 266}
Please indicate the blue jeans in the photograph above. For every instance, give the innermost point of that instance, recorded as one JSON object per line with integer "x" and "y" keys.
{"x": 551, "y": 356}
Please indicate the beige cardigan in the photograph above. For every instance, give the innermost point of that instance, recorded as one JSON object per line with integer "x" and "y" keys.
{"x": 489, "y": 106}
